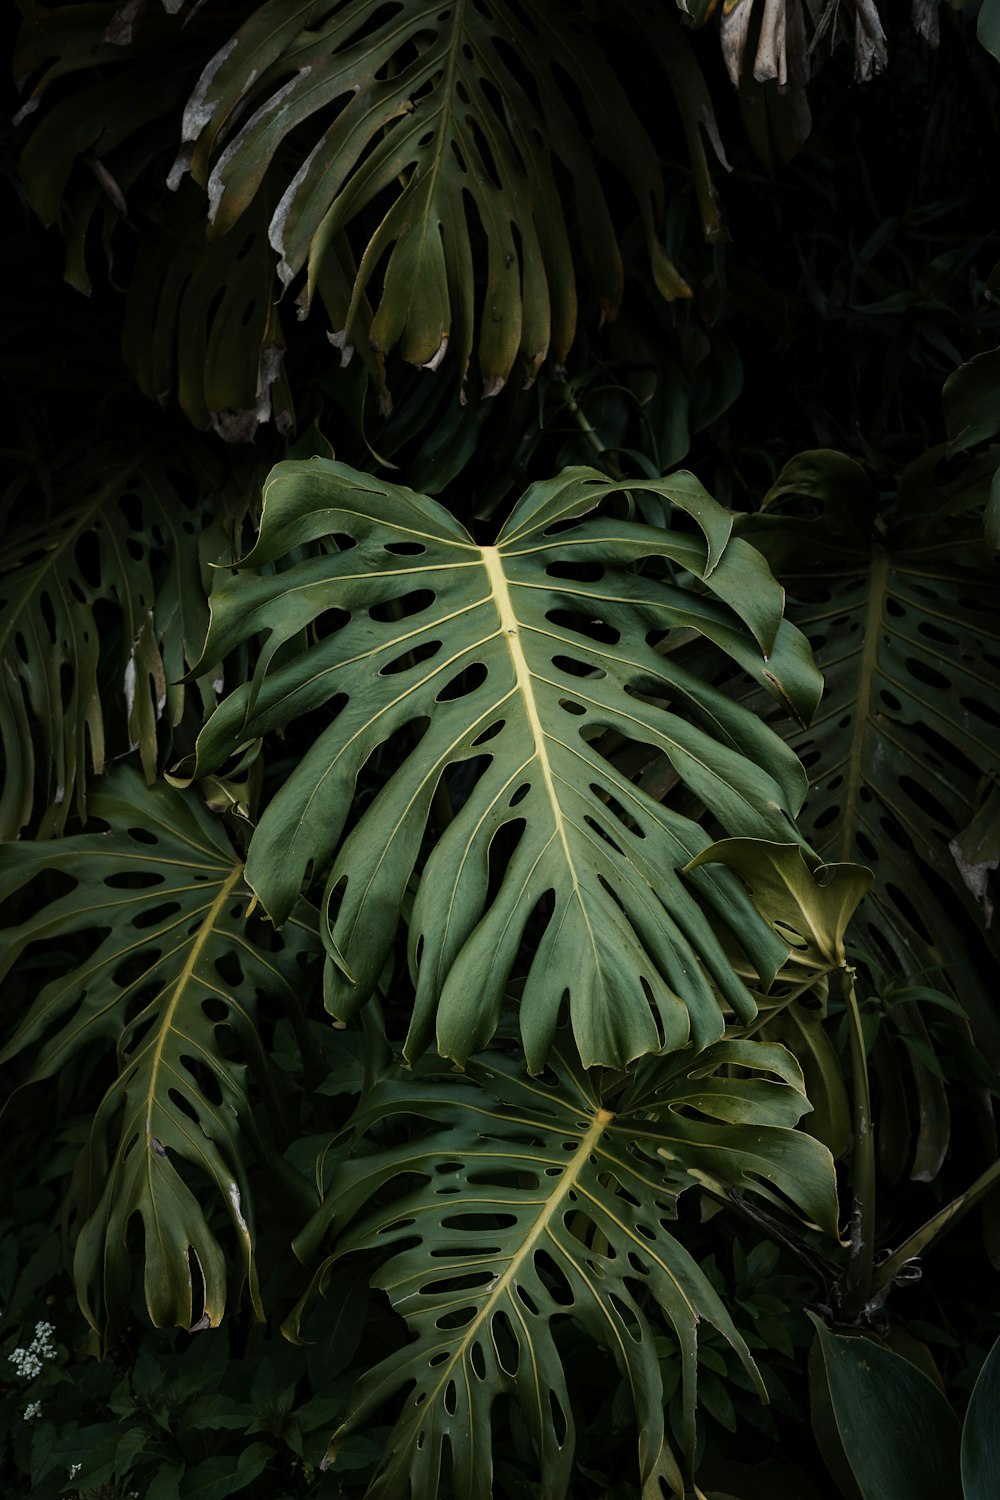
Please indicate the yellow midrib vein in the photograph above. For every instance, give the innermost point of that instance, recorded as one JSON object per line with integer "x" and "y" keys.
{"x": 511, "y": 631}
{"x": 602, "y": 1119}
{"x": 180, "y": 984}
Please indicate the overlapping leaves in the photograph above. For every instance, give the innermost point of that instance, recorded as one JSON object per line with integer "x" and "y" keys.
{"x": 453, "y": 121}
{"x": 901, "y": 613}
{"x": 537, "y": 1200}
{"x": 437, "y": 159}
{"x": 162, "y": 966}
{"x": 126, "y": 541}
{"x": 499, "y": 674}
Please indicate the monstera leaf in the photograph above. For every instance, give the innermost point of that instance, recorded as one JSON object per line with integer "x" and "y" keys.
{"x": 901, "y": 613}
{"x": 214, "y": 337}
{"x": 457, "y": 124}
{"x": 447, "y": 161}
{"x": 169, "y": 969}
{"x": 130, "y": 533}
{"x": 534, "y": 1200}
{"x": 505, "y": 665}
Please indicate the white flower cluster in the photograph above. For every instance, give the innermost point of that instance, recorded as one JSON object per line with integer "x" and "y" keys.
{"x": 28, "y": 1362}
{"x": 32, "y": 1410}
{"x": 74, "y": 1470}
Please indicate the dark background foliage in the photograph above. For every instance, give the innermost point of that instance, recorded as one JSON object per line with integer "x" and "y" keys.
{"x": 855, "y": 280}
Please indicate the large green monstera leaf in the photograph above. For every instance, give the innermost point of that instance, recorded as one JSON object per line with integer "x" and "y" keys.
{"x": 165, "y": 968}
{"x": 499, "y": 673}
{"x": 452, "y": 162}
{"x": 129, "y": 538}
{"x": 900, "y": 608}
{"x": 530, "y": 1201}
{"x": 455, "y": 120}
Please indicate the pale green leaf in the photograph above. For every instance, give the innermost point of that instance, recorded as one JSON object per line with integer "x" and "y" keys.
{"x": 810, "y": 904}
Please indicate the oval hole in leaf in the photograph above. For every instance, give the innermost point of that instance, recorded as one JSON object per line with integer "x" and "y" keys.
{"x": 160, "y": 913}
{"x": 926, "y": 674}
{"x": 133, "y": 880}
{"x": 466, "y": 682}
{"x": 556, "y": 1284}
{"x": 205, "y": 1079}
{"x": 404, "y": 549}
{"x": 411, "y": 658}
{"x": 577, "y": 668}
{"x": 489, "y": 734}
{"x": 455, "y": 1318}
{"x": 142, "y": 836}
{"x": 580, "y": 624}
{"x": 607, "y": 839}
{"x": 179, "y": 1101}
{"x": 328, "y": 622}
{"x": 401, "y": 608}
{"x": 447, "y": 1284}
{"x": 523, "y": 1295}
{"x": 906, "y": 907}
{"x": 628, "y": 1317}
{"x": 926, "y": 801}
{"x": 227, "y": 966}
{"x": 981, "y": 711}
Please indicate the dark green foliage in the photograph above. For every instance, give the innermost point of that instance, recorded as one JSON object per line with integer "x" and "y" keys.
{"x": 476, "y": 1022}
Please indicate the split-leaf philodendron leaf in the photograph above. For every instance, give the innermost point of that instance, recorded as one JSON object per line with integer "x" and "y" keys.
{"x": 900, "y": 609}
{"x": 494, "y": 670}
{"x": 159, "y": 904}
{"x": 534, "y": 1200}
{"x": 129, "y": 534}
{"x": 458, "y": 122}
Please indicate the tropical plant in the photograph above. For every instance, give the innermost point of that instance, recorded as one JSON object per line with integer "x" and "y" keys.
{"x": 499, "y": 946}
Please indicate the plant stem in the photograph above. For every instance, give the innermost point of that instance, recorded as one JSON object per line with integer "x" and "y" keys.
{"x": 586, "y": 427}
{"x": 858, "y": 1277}
{"x": 919, "y": 1240}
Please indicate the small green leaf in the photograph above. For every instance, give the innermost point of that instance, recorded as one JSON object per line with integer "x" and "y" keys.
{"x": 809, "y": 903}
{"x": 216, "y": 1478}
{"x": 971, "y": 409}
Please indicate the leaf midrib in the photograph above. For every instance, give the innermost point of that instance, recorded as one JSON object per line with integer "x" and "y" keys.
{"x": 866, "y": 676}
{"x": 602, "y": 1119}
{"x": 206, "y": 930}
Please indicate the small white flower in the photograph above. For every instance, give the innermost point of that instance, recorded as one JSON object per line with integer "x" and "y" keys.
{"x": 28, "y": 1362}
{"x": 32, "y": 1410}
{"x": 74, "y": 1470}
